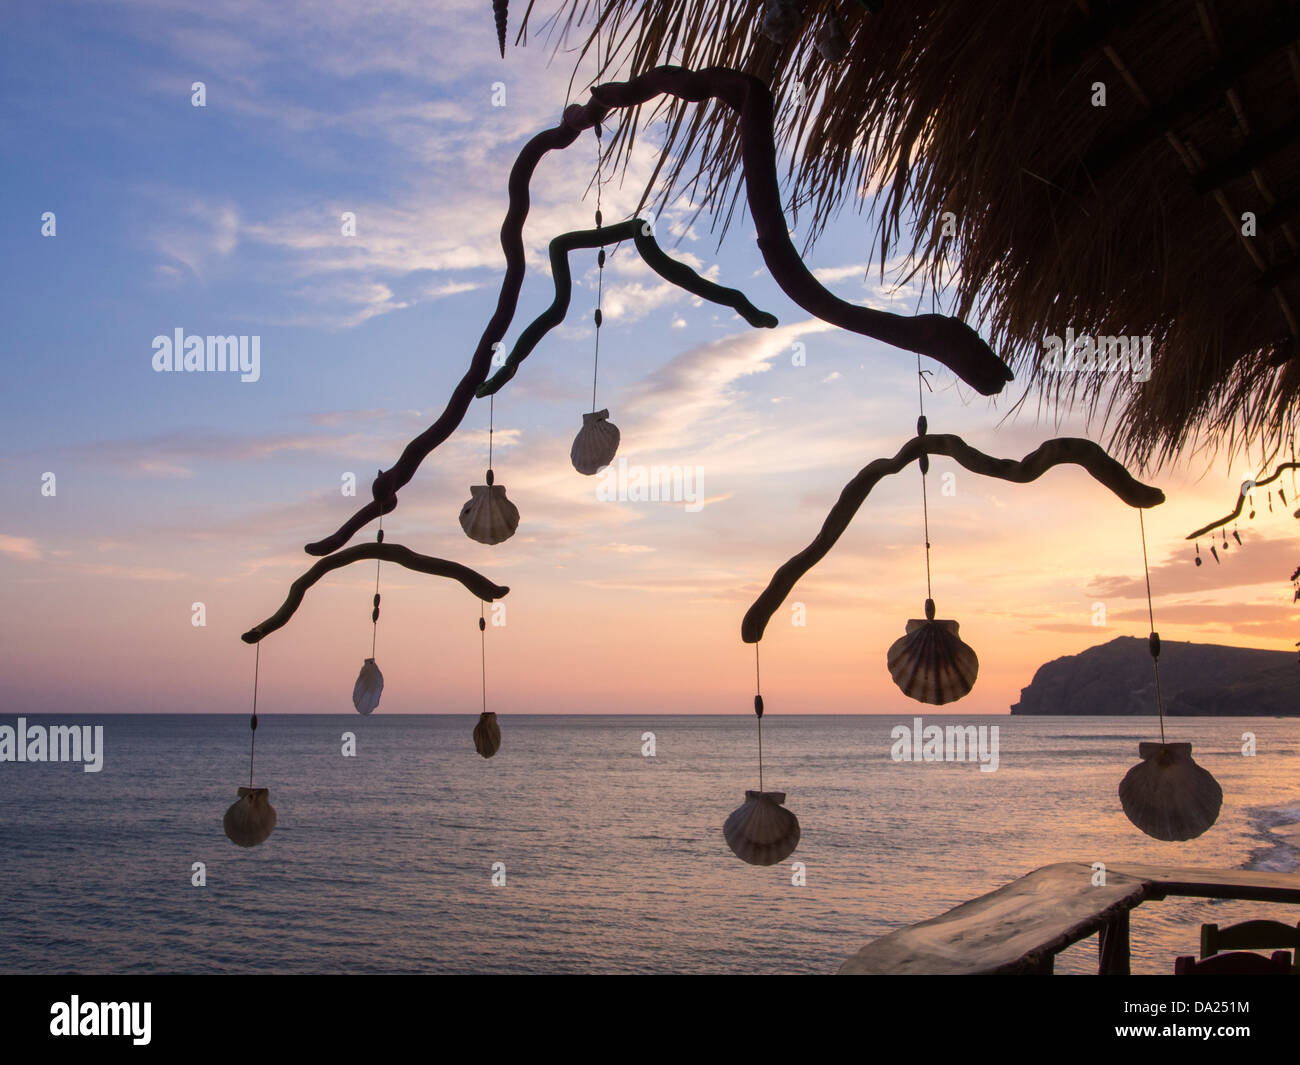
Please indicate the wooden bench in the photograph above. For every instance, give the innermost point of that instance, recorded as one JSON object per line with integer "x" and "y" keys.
{"x": 1022, "y": 926}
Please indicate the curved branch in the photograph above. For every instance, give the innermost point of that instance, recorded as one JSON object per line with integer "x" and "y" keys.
{"x": 948, "y": 340}
{"x": 1241, "y": 499}
{"x": 1051, "y": 453}
{"x": 637, "y": 230}
{"x": 403, "y": 556}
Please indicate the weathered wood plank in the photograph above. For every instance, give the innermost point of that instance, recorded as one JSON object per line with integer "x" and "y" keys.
{"x": 1020, "y": 926}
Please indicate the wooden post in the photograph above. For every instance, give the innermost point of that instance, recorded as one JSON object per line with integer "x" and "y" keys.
{"x": 1113, "y": 946}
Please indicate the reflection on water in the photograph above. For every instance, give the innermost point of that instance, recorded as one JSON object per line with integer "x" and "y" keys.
{"x": 613, "y": 862}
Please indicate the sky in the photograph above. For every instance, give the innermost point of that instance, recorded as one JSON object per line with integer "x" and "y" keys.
{"x": 175, "y": 489}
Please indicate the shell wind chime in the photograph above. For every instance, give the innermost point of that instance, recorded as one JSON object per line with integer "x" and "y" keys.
{"x": 930, "y": 662}
{"x": 489, "y": 517}
{"x": 761, "y": 831}
{"x": 597, "y": 441}
{"x": 251, "y": 817}
{"x": 1167, "y": 795}
{"x": 369, "y": 684}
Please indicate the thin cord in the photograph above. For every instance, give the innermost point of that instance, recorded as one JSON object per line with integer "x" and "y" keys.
{"x": 482, "y": 633}
{"x": 1155, "y": 661}
{"x": 492, "y": 411}
{"x": 252, "y": 724}
{"x": 758, "y": 691}
{"x": 600, "y": 257}
{"x": 374, "y": 617}
{"x": 925, "y": 502}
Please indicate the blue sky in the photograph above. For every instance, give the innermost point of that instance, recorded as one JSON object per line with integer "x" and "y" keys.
{"x": 225, "y": 219}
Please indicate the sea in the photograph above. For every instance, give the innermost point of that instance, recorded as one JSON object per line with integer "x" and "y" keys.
{"x": 589, "y": 844}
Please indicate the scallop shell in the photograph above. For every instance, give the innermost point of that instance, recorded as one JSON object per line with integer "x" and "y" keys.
{"x": 251, "y": 817}
{"x": 931, "y": 663}
{"x": 368, "y": 688}
{"x": 1167, "y": 795}
{"x": 489, "y": 517}
{"x": 762, "y": 832}
{"x": 487, "y": 734}
{"x": 831, "y": 40}
{"x": 596, "y": 443}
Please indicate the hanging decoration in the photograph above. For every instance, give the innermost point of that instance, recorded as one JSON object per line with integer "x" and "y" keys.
{"x": 1246, "y": 498}
{"x": 500, "y": 13}
{"x": 369, "y": 685}
{"x": 832, "y": 42}
{"x": 251, "y": 818}
{"x": 487, "y": 733}
{"x": 781, "y": 20}
{"x": 597, "y": 441}
{"x": 1167, "y": 795}
{"x": 930, "y": 663}
{"x": 489, "y": 517}
{"x": 761, "y": 831}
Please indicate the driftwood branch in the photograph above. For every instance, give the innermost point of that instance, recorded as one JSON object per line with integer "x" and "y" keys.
{"x": 948, "y": 340}
{"x": 403, "y": 556}
{"x": 1057, "y": 452}
{"x": 638, "y": 231}
{"x": 1241, "y": 499}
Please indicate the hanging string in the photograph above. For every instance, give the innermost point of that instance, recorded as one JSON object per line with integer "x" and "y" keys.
{"x": 600, "y": 261}
{"x": 491, "y": 428}
{"x": 1153, "y": 641}
{"x": 252, "y": 722}
{"x": 921, "y": 427}
{"x": 374, "y": 614}
{"x": 482, "y": 633}
{"x": 758, "y": 712}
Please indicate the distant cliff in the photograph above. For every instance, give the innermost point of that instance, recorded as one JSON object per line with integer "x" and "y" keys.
{"x": 1197, "y": 679}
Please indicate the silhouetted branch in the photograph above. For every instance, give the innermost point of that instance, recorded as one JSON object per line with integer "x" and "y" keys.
{"x": 1236, "y": 512}
{"x": 948, "y": 340}
{"x": 637, "y": 230}
{"x": 403, "y": 556}
{"x": 1051, "y": 453}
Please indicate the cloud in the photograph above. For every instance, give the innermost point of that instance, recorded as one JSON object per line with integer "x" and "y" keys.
{"x": 19, "y": 547}
{"x": 1260, "y": 560}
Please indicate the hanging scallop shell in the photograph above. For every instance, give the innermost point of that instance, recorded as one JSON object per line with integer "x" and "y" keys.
{"x": 489, "y": 517}
{"x": 368, "y": 688}
{"x": 762, "y": 832}
{"x": 1167, "y": 795}
{"x": 250, "y": 818}
{"x": 832, "y": 42}
{"x": 487, "y": 734}
{"x": 596, "y": 443}
{"x": 781, "y": 20}
{"x": 931, "y": 663}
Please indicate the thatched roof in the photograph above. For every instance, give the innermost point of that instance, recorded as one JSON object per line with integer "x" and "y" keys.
{"x": 1124, "y": 220}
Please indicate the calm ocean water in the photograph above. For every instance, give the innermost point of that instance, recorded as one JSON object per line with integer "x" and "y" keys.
{"x": 614, "y": 862}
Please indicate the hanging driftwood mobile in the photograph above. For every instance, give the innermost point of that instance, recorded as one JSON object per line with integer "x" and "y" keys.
{"x": 252, "y": 817}
{"x": 489, "y": 517}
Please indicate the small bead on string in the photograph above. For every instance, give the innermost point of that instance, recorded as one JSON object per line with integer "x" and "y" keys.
{"x": 374, "y": 614}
